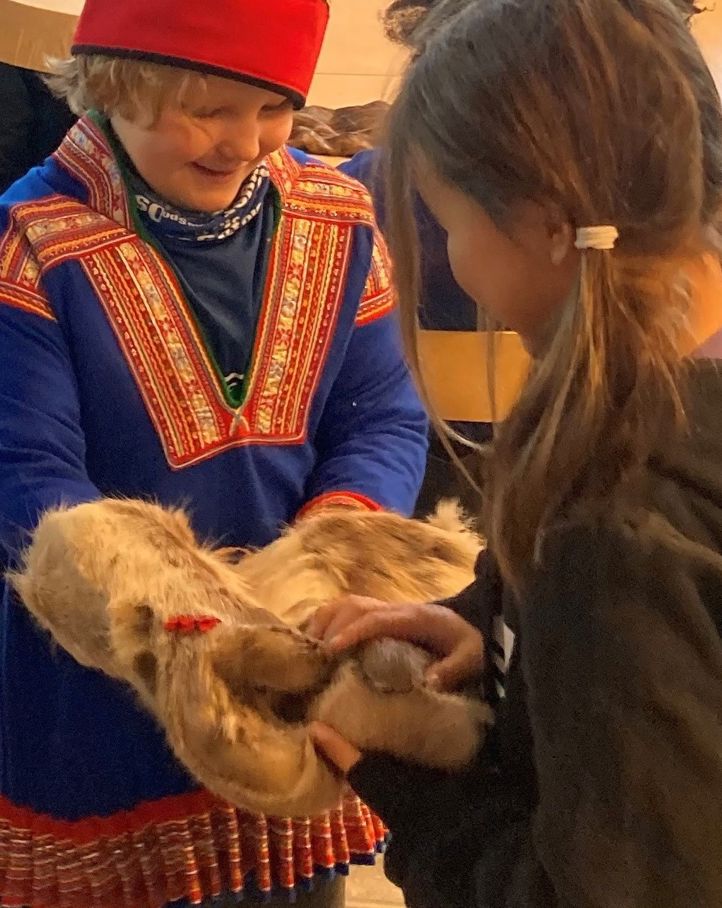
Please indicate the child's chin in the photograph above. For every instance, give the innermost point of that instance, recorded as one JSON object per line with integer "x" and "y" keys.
{"x": 207, "y": 202}
{"x": 216, "y": 203}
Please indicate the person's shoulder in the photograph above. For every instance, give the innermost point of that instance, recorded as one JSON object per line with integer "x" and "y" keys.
{"x": 48, "y": 178}
{"x": 627, "y": 548}
{"x": 29, "y": 188}
{"x": 306, "y": 182}
{"x": 613, "y": 530}
{"x": 298, "y": 167}
{"x": 29, "y": 192}
{"x": 47, "y": 220}
{"x": 363, "y": 166}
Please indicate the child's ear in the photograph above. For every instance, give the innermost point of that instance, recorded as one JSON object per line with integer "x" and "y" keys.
{"x": 560, "y": 234}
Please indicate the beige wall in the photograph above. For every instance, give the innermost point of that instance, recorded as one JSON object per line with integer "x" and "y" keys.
{"x": 708, "y": 30}
{"x": 357, "y": 63}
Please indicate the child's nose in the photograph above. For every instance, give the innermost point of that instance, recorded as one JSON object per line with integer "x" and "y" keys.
{"x": 242, "y": 141}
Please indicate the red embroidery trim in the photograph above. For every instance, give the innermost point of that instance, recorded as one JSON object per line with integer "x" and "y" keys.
{"x": 379, "y": 298}
{"x": 339, "y": 499}
{"x": 191, "y": 624}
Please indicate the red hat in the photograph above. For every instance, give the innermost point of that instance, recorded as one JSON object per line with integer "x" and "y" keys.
{"x": 270, "y": 43}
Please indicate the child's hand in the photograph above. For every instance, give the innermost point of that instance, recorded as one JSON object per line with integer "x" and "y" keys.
{"x": 334, "y": 747}
{"x": 357, "y": 619}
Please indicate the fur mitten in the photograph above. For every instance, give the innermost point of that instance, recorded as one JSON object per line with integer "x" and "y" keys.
{"x": 210, "y": 646}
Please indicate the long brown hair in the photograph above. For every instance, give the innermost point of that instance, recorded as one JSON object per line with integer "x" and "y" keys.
{"x": 605, "y": 110}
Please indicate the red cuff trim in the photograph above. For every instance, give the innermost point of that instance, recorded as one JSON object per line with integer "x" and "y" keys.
{"x": 339, "y": 500}
{"x": 373, "y": 310}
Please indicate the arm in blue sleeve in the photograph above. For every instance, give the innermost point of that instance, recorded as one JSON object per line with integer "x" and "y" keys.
{"x": 373, "y": 436}
{"x": 42, "y": 447}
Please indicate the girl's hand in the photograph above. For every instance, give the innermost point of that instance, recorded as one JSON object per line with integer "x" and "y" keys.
{"x": 353, "y": 620}
{"x": 334, "y": 747}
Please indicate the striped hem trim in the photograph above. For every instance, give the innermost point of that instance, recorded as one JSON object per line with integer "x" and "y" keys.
{"x": 191, "y": 847}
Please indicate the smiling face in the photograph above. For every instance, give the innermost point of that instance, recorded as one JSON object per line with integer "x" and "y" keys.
{"x": 198, "y": 153}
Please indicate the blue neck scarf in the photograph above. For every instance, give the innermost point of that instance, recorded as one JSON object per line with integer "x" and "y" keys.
{"x": 164, "y": 219}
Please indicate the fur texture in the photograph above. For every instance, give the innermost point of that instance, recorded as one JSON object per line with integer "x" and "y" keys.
{"x": 104, "y": 578}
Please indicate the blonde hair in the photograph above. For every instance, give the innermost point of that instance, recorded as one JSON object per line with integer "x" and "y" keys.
{"x": 134, "y": 89}
{"x": 607, "y": 112}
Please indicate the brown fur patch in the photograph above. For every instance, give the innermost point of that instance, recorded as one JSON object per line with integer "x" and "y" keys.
{"x": 145, "y": 666}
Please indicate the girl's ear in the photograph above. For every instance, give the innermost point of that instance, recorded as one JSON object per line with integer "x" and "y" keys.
{"x": 551, "y": 233}
{"x": 560, "y": 237}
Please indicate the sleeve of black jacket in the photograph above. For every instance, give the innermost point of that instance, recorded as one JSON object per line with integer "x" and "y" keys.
{"x": 16, "y": 117}
{"x": 621, "y": 665}
{"x": 478, "y": 603}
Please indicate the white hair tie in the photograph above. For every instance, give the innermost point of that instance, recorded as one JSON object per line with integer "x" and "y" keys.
{"x": 602, "y": 237}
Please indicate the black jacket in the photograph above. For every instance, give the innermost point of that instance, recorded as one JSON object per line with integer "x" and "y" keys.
{"x": 601, "y": 784}
{"x": 32, "y": 122}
